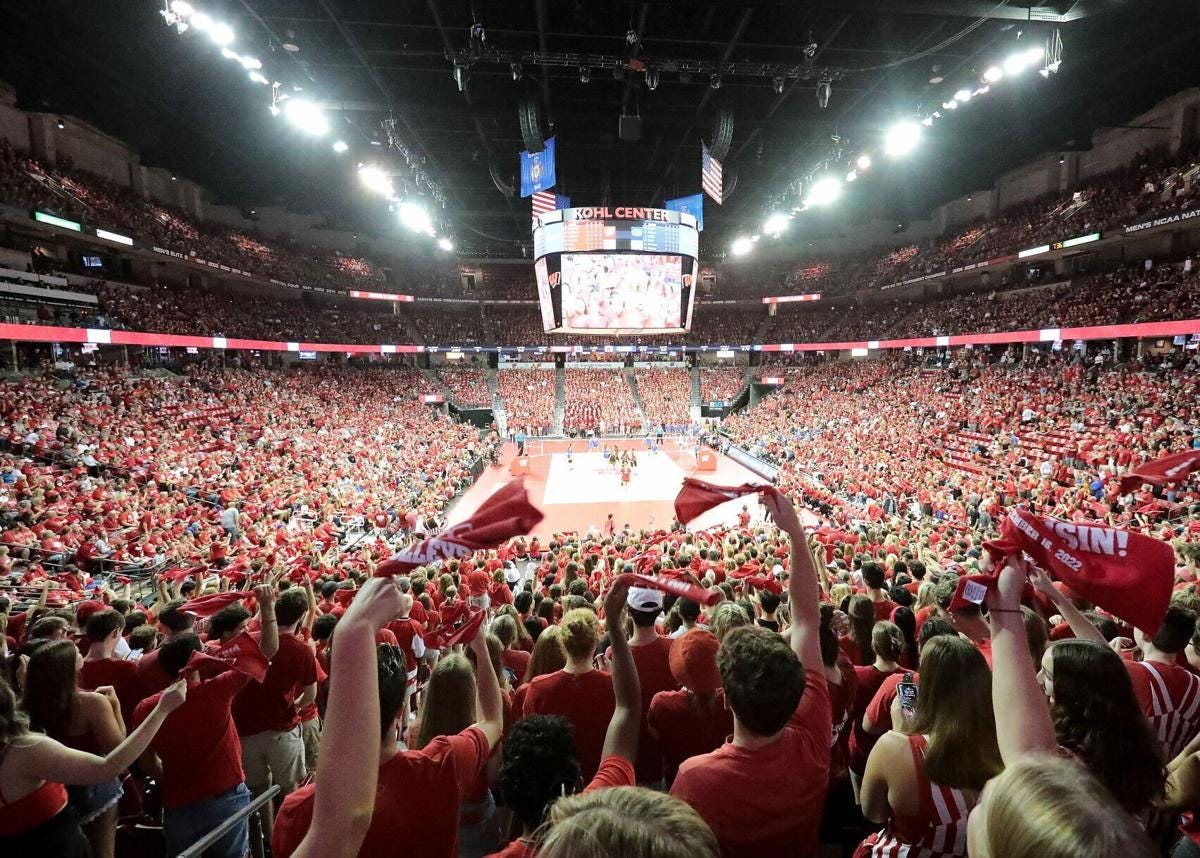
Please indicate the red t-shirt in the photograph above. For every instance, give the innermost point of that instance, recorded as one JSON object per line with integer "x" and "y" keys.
{"x": 416, "y": 804}
{"x": 197, "y": 743}
{"x": 686, "y": 729}
{"x": 270, "y": 705}
{"x": 516, "y": 660}
{"x": 879, "y": 710}
{"x": 120, "y": 674}
{"x": 586, "y": 700}
{"x": 779, "y": 787}
{"x": 653, "y": 662}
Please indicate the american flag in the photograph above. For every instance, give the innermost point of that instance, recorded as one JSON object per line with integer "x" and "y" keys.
{"x": 543, "y": 201}
{"x": 710, "y": 174}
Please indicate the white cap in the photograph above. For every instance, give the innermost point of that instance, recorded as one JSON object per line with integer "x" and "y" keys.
{"x": 644, "y": 599}
{"x": 778, "y": 571}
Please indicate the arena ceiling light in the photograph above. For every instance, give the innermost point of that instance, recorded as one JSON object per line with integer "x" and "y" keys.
{"x": 375, "y": 180}
{"x": 445, "y": 244}
{"x": 824, "y": 191}
{"x": 259, "y": 77}
{"x": 182, "y": 8}
{"x": 993, "y": 74}
{"x": 414, "y": 216}
{"x": 340, "y": 146}
{"x": 741, "y": 246}
{"x": 863, "y": 162}
{"x": 901, "y": 139}
{"x": 306, "y": 116}
{"x": 202, "y": 22}
{"x": 963, "y": 95}
{"x": 776, "y": 223}
{"x": 852, "y": 176}
{"x": 220, "y": 33}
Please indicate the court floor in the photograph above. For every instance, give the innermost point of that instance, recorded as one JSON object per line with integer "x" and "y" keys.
{"x": 579, "y": 494}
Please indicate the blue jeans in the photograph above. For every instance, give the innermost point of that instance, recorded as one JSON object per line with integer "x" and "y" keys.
{"x": 183, "y": 826}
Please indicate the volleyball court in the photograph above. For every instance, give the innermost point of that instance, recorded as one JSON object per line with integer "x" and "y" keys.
{"x": 634, "y": 480}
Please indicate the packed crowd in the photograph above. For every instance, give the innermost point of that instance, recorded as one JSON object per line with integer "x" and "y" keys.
{"x": 666, "y": 394}
{"x": 721, "y": 384}
{"x": 599, "y": 401}
{"x": 529, "y": 398}
{"x": 467, "y": 385}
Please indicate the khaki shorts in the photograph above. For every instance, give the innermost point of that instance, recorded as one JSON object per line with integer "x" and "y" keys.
{"x": 273, "y": 758}
{"x": 310, "y": 733}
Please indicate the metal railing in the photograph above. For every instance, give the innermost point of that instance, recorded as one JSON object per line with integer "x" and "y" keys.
{"x": 197, "y": 848}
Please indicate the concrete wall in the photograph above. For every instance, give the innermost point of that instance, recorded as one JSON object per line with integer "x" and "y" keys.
{"x": 92, "y": 150}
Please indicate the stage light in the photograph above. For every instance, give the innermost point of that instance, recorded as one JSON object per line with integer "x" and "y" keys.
{"x": 585, "y": 74}
{"x": 863, "y": 162}
{"x": 950, "y": 105}
{"x": 220, "y": 33}
{"x": 516, "y": 70}
{"x": 902, "y": 138}
{"x": 652, "y": 79}
{"x": 230, "y": 54}
{"x": 306, "y": 116}
{"x": 340, "y": 146}
{"x": 824, "y": 191}
{"x": 374, "y": 179}
{"x": 1015, "y": 64}
{"x": 993, "y": 74}
{"x": 852, "y": 176}
{"x": 741, "y": 246}
{"x": 414, "y": 216}
{"x": 257, "y": 77}
{"x": 274, "y": 110}
{"x": 182, "y": 9}
{"x": 251, "y": 63}
{"x": 776, "y": 223}
{"x": 824, "y": 91}
{"x": 460, "y": 75}
{"x": 1032, "y": 55}
{"x": 962, "y": 96}
{"x": 201, "y": 21}
{"x": 928, "y": 120}
{"x": 715, "y": 81}
{"x": 445, "y": 244}
{"x": 777, "y": 84}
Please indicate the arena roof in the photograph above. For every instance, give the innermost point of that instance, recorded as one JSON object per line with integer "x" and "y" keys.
{"x": 117, "y": 66}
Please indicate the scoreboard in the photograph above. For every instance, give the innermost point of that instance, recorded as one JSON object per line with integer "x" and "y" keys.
{"x": 626, "y": 287}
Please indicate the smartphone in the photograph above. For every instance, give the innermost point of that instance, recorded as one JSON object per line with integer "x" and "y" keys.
{"x": 906, "y": 690}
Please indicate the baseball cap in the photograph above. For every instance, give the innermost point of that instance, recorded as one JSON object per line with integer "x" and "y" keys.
{"x": 644, "y": 599}
{"x": 693, "y": 661}
{"x": 511, "y": 574}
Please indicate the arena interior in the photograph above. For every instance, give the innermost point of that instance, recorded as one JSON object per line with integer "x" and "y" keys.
{"x": 735, "y": 428}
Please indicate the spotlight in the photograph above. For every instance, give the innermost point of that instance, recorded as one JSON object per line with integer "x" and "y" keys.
{"x": 445, "y": 244}
{"x": 902, "y": 138}
{"x": 374, "y": 179}
{"x": 181, "y": 27}
{"x": 928, "y": 120}
{"x": 585, "y": 74}
{"x": 230, "y": 54}
{"x": 993, "y": 74}
{"x": 61, "y": 125}
{"x": 824, "y": 191}
{"x": 340, "y": 146}
{"x": 652, "y": 79}
{"x": 741, "y": 246}
{"x": 414, "y": 216}
{"x": 257, "y": 77}
{"x": 824, "y": 90}
{"x": 1015, "y": 64}
{"x": 776, "y": 223}
{"x": 182, "y": 8}
{"x": 1034, "y": 54}
{"x": 306, "y": 116}
{"x": 516, "y": 70}
{"x": 852, "y": 176}
{"x": 201, "y": 21}
{"x": 220, "y": 33}
{"x": 715, "y": 81}
{"x": 250, "y": 63}
{"x": 274, "y": 110}
{"x": 962, "y": 96}
{"x": 777, "y": 84}
{"x": 460, "y": 76}
{"x": 950, "y": 105}
{"x": 863, "y": 162}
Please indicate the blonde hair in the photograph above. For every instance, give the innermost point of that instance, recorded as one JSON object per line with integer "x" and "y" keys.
{"x": 726, "y": 617}
{"x": 449, "y": 705}
{"x": 580, "y": 631}
{"x": 626, "y": 821}
{"x": 926, "y": 595}
{"x": 838, "y": 593}
{"x": 548, "y": 654}
{"x": 1052, "y": 807}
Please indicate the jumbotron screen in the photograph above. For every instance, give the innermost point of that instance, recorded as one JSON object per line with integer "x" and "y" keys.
{"x": 615, "y": 271}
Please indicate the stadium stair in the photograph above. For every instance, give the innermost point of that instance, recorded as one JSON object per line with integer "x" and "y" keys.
{"x": 560, "y": 398}
{"x": 695, "y": 371}
{"x": 631, "y": 380}
{"x": 410, "y": 325}
{"x": 493, "y": 387}
{"x": 433, "y": 376}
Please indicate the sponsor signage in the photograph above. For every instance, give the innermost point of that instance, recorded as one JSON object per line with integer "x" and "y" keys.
{"x": 1175, "y": 217}
{"x": 787, "y": 299}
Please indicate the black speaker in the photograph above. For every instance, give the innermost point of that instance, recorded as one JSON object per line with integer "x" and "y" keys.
{"x": 630, "y": 129}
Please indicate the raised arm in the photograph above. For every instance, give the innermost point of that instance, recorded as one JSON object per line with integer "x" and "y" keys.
{"x": 1080, "y": 625}
{"x": 345, "y": 799}
{"x": 268, "y": 641}
{"x": 487, "y": 685}
{"x": 804, "y": 589}
{"x": 1023, "y": 724}
{"x": 621, "y": 740}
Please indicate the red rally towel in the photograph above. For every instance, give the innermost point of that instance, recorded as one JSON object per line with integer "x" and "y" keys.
{"x": 466, "y": 631}
{"x": 678, "y": 586}
{"x": 242, "y": 654}
{"x": 505, "y": 514}
{"x": 206, "y": 606}
{"x": 697, "y": 497}
{"x": 1125, "y": 573}
{"x": 1165, "y": 469}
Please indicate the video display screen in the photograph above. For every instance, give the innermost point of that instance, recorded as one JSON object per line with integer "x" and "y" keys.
{"x": 606, "y": 291}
